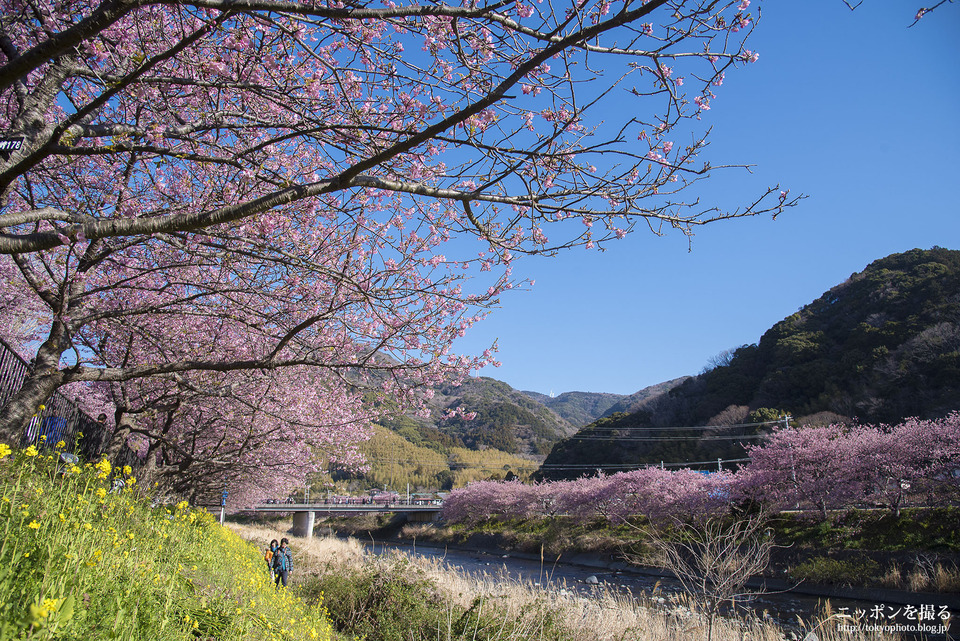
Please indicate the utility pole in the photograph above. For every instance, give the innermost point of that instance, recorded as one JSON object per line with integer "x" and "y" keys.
{"x": 223, "y": 504}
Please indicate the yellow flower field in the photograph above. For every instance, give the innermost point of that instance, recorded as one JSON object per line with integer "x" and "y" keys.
{"x": 79, "y": 561}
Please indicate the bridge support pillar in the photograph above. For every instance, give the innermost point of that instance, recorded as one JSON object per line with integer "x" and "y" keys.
{"x": 303, "y": 524}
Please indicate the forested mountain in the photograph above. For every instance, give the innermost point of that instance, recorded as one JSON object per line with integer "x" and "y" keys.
{"x": 878, "y": 348}
{"x": 436, "y": 451}
{"x": 505, "y": 419}
{"x": 508, "y": 424}
{"x": 579, "y": 408}
{"x": 638, "y": 400}
{"x": 582, "y": 408}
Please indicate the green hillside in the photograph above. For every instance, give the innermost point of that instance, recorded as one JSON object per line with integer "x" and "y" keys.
{"x": 395, "y": 462}
{"x": 510, "y": 434}
{"x": 578, "y": 408}
{"x": 638, "y": 400}
{"x": 878, "y": 348}
{"x": 505, "y": 419}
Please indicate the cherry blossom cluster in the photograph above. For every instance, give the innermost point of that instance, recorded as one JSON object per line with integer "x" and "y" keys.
{"x": 207, "y": 193}
{"x": 654, "y": 493}
{"x": 812, "y": 469}
{"x": 837, "y": 467}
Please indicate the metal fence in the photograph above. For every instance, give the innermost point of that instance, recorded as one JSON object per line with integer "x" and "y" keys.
{"x": 61, "y": 420}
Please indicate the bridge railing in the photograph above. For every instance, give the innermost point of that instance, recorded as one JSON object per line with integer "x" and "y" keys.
{"x": 61, "y": 420}
{"x": 397, "y": 506}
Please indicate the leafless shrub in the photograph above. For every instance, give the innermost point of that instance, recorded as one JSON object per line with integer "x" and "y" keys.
{"x": 714, "y": 559}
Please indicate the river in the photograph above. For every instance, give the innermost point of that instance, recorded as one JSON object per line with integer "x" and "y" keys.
{"x": 784, "y": 608}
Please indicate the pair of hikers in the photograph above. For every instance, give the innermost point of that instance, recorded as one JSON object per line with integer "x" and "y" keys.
{"x": 279, "y": 561}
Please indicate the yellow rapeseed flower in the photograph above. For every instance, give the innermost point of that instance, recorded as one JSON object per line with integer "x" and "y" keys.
{"x": 31, "y": 451}
{"x": 38, "y": 613}
{"x": 61, "y": 445}
{"x": 33, "y": 525}
{"x": 104, "y": 467}
{"x": 4, "y": 450}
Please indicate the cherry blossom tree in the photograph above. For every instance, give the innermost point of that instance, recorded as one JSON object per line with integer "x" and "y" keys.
{"x": 660, "y": 496}
{"x": 916, "y": 459}
{"x": 482, "y": 500}
{"x": 206, "y": 431}
{"x": 805, "y": 467}
{"x": 839, "y": 466}
{"x": 813, "y": 468}
{"x": 22, "y": 313}
{"x": 670, "y": 495}
{"x": 213, "y": 185}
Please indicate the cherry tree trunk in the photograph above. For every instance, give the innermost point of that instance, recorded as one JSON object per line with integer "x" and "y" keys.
{"x": 42, "y": 380}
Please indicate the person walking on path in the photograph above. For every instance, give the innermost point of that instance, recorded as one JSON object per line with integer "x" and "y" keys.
{"x": 268, "y": 557}
{"x": 282, "y": 563}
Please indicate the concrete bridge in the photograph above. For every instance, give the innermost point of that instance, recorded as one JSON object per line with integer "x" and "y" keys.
{"x": 305, "y": 514}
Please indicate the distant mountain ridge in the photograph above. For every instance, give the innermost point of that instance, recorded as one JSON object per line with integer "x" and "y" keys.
{"x": 578, "y": 408}
{"x": 880, "y": 347}
{"x": 522, "y": 423}
{"x": 637, "y": 400}
{"x": 582, "y": 408}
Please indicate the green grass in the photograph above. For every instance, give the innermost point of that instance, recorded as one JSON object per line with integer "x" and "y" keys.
{"x": 933, "y": 529}
{"x": 915, "y": 530}
{"x": 823, "y": 569}
{"x": 78, "y": 561}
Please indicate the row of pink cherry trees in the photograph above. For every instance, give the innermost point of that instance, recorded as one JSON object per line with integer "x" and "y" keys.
{"x": 815, "y": 469}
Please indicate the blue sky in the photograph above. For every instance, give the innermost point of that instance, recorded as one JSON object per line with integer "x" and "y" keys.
{"x": 852, "y": 108}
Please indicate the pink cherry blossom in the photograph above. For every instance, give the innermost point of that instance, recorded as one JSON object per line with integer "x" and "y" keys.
{"x": 215, "y": 209}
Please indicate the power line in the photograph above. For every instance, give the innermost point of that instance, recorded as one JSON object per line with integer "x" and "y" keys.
{"x": 654, "y": 439}
{"x": 584, "y": 466}
{"x": 688, "y": 428}
{"x": 460, "y": 465}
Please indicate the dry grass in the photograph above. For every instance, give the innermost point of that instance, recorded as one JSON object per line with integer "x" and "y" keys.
{"x": 926, "y": 576}
{"x": 933, "y": 577}
{"x": 893, "y": 577}
{"x": 607, "y": 616}
{"x": 318, "y": 555}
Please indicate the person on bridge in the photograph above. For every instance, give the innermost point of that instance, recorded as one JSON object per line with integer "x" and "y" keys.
{"x": 282, "y": 563}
